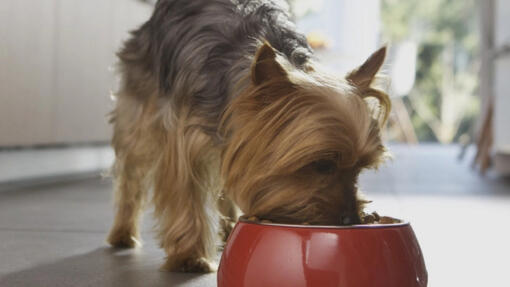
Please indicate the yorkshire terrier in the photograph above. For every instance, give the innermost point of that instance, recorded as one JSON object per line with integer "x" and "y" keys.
{"x": 222, "y": 106}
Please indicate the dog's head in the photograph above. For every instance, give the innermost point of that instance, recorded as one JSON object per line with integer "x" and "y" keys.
{"x": 298, "y": 139}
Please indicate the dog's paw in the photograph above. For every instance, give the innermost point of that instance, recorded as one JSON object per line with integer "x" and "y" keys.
{"x": 226, "y": 229}
{"x": 192, "y": 265}
{"x": 123, "y": 239}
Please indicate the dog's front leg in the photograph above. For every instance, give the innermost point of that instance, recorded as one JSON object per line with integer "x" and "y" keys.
{"x": 185, "y": 230}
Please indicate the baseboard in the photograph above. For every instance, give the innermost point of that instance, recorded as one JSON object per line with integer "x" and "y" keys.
{"x": 38, "y": 164}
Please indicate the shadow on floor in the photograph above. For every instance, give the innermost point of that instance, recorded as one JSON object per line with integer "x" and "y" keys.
{"x": 105, "y": 267}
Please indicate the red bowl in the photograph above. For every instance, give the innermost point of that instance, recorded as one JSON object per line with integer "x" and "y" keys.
{"x": 278, "y": 255}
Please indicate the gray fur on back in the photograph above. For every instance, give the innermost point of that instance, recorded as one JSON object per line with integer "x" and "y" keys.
{"x": 197, "y": 50}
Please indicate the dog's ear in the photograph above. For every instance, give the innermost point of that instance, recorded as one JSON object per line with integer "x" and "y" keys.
{"x": 265, "y": 66}
{"x": 363, "y": 76}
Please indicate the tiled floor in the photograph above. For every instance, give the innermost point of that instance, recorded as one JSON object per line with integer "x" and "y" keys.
{"x": 53, "y": 235}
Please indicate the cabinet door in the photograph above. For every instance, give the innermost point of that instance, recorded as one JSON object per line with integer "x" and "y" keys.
{"x": 85, "y": 51}
{"x": 502, "y": 104}
{"x": 502, "y": 74}
{"x": 56, "y": 73}
{"x": 501, "y": 22}
{"x": 90, "y": 32}
{"x": 27, "y": 71}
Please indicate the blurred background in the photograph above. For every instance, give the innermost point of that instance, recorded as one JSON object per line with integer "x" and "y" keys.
{"x": 449, "y": 80}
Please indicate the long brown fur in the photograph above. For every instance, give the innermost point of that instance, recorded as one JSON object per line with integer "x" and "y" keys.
{"x": 280, "y": 130}
{"x": 287, "y": 144}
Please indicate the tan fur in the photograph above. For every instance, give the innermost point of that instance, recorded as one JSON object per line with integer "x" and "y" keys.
{"x": 179, "y": 164}
{"x": 292, "y": 146}
{"x": 135, "y": 139}
{"x": 184, "y": 185}
{"x": 228, "y": 216}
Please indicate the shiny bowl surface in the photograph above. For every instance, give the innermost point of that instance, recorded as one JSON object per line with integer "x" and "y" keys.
{"x": 277, "y": 255}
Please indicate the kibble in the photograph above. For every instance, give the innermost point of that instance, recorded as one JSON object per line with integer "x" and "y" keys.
{"x": 366, "y": 218}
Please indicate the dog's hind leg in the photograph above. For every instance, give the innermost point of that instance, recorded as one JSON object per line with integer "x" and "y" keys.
{"x": 183, "y": 191}
{"x": 134, "y": 143}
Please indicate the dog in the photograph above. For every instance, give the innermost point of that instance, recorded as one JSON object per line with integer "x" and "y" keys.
{"x": 223, "y": 107}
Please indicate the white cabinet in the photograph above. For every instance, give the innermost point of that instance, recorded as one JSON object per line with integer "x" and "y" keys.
{"x": 502, "y": 78}
{"x": 27, "y": 68}
{"x": 501, "y": 108}
{"x": 55, "y": 75}
{"x": 84, "y": 51}
{"x": 502, "y": 22}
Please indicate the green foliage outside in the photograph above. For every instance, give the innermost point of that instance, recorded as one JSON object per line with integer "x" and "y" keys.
{"x": 443, "y": 104}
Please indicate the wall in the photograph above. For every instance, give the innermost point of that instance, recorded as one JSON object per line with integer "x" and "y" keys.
{"x": 334, "y": 19}
{"x": 56, "y": 72}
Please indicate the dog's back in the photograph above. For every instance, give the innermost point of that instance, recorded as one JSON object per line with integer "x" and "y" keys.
{"x": 196, "y": 51}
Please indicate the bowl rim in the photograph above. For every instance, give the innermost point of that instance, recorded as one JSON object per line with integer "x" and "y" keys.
{"x": 355, "y": 226}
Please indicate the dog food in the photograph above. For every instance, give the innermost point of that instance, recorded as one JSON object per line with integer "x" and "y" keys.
{"x": 366, "y": 218}
{"x": 375, "y": 218}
